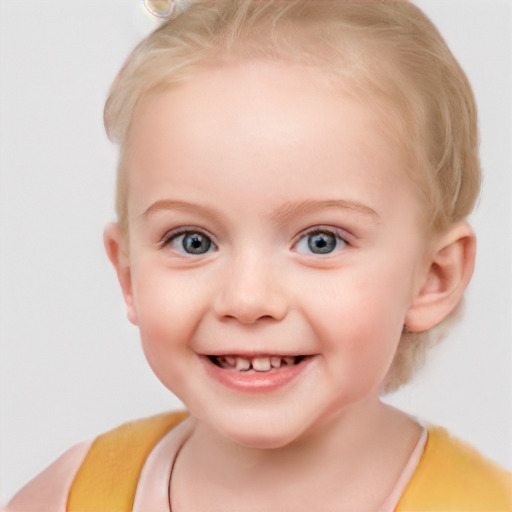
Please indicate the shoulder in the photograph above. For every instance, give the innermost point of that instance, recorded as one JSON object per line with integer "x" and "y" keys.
{"x": 452, "y": 475}
{"x": 110, "y": 465}
{"x": 49, "y": 489}
{"x": 108, "y": 477}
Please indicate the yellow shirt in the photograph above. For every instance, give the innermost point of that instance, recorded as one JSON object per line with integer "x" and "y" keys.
{"x": 453, "y": 476}
{"x": 450, "y": 476}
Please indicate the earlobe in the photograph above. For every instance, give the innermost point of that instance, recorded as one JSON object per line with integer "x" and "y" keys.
{"x": 449, "y": 271}
{"x": 115, "y": 247}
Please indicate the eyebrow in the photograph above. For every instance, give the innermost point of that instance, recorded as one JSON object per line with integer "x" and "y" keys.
{"x": 173, "y": 204}
{"x": 283, "y": 214}
{"x": 290, "y": 210}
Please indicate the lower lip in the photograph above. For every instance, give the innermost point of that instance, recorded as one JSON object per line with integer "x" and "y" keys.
{"x": 255, "y": 382}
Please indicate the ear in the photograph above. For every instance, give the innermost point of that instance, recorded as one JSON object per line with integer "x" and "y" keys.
{"x": 117, "y": 253}
{"x": 449, "y": 270}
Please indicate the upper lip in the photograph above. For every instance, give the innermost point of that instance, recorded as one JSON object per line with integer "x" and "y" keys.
{"x": 253, "y": 354}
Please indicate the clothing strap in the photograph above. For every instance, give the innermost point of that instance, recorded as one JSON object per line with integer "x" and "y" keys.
{"x": 107, "y": 479}
{"x": 453, "y": 476}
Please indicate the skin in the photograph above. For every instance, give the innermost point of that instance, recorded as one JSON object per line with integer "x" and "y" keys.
{"x": 254, "y": 156}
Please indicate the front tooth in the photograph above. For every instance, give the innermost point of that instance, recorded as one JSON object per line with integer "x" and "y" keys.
{"x": 275, "y": 362}
{"x": 261, "y": 364}
{"x": 242, "y": 365}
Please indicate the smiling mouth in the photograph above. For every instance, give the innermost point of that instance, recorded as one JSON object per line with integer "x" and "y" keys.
{"x": 255, "y": 364}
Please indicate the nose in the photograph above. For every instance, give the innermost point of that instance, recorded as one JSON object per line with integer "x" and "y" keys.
{"x": 250, "y": 292}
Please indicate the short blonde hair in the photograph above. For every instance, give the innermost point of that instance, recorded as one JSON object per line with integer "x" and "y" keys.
{"x": 384, "y": 51}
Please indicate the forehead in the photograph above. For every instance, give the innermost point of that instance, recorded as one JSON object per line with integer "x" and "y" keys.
{"x": 245, "y": 119}
{"x": 250, "y": 96}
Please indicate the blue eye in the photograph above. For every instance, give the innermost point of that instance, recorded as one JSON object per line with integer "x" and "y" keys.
{"x": 320, "y": 241}
{"x": 190, "y": 242}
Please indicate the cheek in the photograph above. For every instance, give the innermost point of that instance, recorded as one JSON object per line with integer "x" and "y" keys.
{"x": 168, "y": 310}
{"x": 359, "y": 318}
{"x": 358, "y": 301}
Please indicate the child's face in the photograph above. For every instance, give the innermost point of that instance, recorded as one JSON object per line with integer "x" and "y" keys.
{"x": 269, "y": 216}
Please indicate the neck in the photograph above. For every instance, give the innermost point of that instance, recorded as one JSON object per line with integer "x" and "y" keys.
{"x": 337, "y": 460}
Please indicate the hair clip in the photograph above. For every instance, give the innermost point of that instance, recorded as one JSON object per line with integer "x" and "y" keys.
{"x": 163, "y": 9}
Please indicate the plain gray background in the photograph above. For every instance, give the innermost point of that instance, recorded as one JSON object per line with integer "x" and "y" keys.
{"x": 71, "y": 365}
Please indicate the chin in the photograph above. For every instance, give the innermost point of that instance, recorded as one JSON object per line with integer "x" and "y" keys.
{"x": 260, "y": 432}
{"x": 271, "y": 441}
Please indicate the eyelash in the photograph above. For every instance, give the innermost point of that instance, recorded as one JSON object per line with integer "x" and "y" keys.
{"x": 341, "y": 237}
{"x": 172, "y": 236}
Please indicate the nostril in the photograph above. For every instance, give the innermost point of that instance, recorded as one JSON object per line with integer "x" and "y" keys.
{"x": 247, "y": 317}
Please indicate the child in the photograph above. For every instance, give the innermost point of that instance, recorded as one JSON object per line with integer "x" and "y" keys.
{"x": 292, "y": 188}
